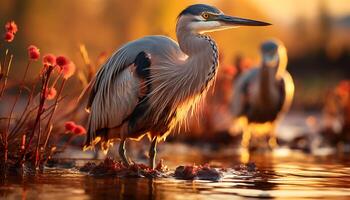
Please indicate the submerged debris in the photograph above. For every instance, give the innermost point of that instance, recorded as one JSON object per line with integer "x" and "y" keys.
{"x": 110, "y": 167}
{"x": 60, "y": 163}
{"x": 88, "y": 167}
{"x": 248, "y": 169}
{"x": 195, "y": 172}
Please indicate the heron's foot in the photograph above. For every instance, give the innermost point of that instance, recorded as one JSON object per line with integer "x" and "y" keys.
{"x": 273, "y": 142}
{"x": 122, "y": 153}
{"x": 153, "y": 153}
{"x": 246, "y": 143}
{"x": 246, "y": 138}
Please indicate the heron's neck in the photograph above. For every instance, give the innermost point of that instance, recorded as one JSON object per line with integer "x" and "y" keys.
{"x": 184, "y": 85}
{"x": 201, "y": 65}
{"x": 267, "y": 82}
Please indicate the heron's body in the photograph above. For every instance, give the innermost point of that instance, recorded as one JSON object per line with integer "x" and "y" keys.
{"x": 263, "y": 94}
{"x": 172, "y": 82}
{"x": 260, "y": 103}
{"x": 149, "y": 85}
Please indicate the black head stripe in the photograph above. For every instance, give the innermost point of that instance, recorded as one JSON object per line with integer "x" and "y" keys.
{"x": 197, "y": 9}
{"x": 269, "y": 46}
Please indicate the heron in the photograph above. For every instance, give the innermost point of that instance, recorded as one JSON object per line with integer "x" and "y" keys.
{"x": 263, "y": 94}
{"x": 149, "y": 85}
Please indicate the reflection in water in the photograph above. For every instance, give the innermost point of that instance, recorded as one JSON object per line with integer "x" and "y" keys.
{"x": 113, "y": 188}
{"x": 294, "y": 176}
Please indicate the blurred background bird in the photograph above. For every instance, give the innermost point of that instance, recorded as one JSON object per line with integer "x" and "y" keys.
{"x": 149, "y": 85}
{"x": 263, "y": 95}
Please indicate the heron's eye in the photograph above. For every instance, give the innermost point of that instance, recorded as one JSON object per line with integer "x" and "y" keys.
{"x": 205, "y": 15}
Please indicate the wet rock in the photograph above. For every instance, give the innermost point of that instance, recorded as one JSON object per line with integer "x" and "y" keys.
{"x": 246, "y": 169}
{"x": 302, "y": 143}
{"x": 197, "y": 173}
{"x": 88, "y": 167}
{"x": 110, "y": 167}
{"x": 185, "y": 172}
{"x": 60, "y": 163}
{"x": 207, "y": 173}
{"x": 251, "y": 167}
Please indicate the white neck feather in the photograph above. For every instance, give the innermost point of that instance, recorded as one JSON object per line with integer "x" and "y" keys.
{"x": 268, "y": 84}
{"x": 187, "y": 84}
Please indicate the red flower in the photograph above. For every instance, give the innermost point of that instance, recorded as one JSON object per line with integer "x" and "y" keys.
{"x": 67, "y": 67}
{"x": 9, "y": 36}
{"x": 11, "y": 27}
{"x": 69, "y": 126}
{"x": 230, "y": 70}
{"x": 79, "y": 130}
{"x": 343, "y": 88}
{"x": 68, "y": 70}
{"x": 49, "y": 60}
{"x": 33, "y": 52}
{"x": 62, "y": 61}
{"x": 50, "y": 93}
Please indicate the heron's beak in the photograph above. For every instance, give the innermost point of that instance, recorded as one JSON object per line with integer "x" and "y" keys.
{"x": 236, "y": 21}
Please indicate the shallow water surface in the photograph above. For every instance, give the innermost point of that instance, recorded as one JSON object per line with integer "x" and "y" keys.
{"x": 278, "y": 175}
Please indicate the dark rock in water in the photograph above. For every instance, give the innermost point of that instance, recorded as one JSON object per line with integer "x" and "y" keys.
{"x": 87, "y": 167}
{"x": 207, "y": 173}
{"x": 246, "y": 168}
{"x": 56, "y": 162}
{"x": 301, "y": 143}
{"x": 197, "y": 172}
{"x": 29, "y": 168}
{"x": 110, "y": 167}
{"x": 16, "y": 168}
{"x": 251, "y": 167}
{"x": 185, "y": 172}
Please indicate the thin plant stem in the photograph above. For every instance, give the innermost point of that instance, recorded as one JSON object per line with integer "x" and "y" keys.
{"x": 12, "y": 109}
{"x": 7, "y": 73}
{"x": 1, "y": 74}
{"x": 55, "y": 81}
{"x": 37, "y": 149}
{"x": 47, "y": 136}
{"x": 31, "y": 111}
{"x": 68, "y": 142}
{"x": 5, "y": 134}
{"x": 53, "y": 111}
{"x": 26, "y": 108}
{"x": 39, "y": 113}
{"x": 4, "y": 62}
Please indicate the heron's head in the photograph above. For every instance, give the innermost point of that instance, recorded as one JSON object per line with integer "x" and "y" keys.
{"x": 274, "y": 53}
{"x": 201, "y": 18}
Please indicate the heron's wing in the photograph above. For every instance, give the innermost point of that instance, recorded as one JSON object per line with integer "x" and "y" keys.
{"x": 112, "y": 104}
{"x": 109, "y": 72}
{"x": 287, "y": 85}
{"x": 114, "y": 94}
{"x": 125, "y": 56}
{"x": 240, "y": 102}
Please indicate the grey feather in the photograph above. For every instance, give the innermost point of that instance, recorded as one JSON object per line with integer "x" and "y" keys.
{"x": 174, "y": 80}
{"x": 240, "y": 91}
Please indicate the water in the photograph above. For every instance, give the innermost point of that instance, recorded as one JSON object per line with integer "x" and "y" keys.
{"x": 282, "y": 174}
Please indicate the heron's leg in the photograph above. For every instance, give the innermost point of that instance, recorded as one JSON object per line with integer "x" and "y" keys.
{"x": 273, "y": 139}
{"x": 247, "y": 134}
{"x": 122, "y": 152}
{"x": 153, "y": 152}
